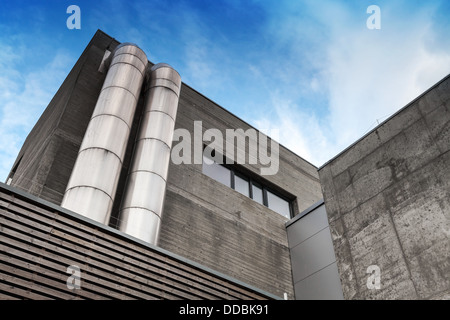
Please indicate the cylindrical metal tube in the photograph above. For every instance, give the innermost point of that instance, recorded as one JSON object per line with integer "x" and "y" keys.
{"x": 142, "y": 204}
{"x": 93, "y": 182}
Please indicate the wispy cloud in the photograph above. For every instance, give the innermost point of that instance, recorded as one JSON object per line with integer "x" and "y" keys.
{"x": 299, "y": 131}
{"x": 24, "y": 96}
{"x": 202, "y": 53}
{"x": 365, "y": 74}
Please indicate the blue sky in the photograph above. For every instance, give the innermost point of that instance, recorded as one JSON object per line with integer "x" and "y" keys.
{"x": 311, "y": 69}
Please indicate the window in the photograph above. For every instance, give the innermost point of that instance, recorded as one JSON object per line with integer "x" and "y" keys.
{"x": 216, "y": 171}
{"x": 245, "y": 185}
{"x": 13, "y": 171}
{"x": 278, "y": 204}
{"x": 257, "y": 194}
{"x": 241, "y": 185}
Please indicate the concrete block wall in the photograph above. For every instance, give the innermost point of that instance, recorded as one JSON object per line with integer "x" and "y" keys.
{"x": 388, "y": 203}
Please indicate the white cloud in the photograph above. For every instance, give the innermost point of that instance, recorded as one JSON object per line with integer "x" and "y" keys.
{"x": 374, "y": 73}
{"x": 365, "y": 74}
{"x": 202, "y": 55}
{"x": 299, "y": 131}
{"x": 24, "y": 96}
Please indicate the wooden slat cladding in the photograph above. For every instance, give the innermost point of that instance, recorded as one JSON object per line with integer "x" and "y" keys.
{"x": 38, "y": 242}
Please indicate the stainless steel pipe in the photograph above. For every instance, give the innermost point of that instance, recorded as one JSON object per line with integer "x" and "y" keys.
{"x": 93, "y": 182}
{"x": 142, "y": 204}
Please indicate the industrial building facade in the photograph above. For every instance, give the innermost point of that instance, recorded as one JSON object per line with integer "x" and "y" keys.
{"x": 123, "y": 178}
{"x": 66, "y": 160}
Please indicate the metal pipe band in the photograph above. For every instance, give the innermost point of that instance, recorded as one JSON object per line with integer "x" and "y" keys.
{"x": 93, "y": 183}
{"x": 138, "y": 221}
{"x": 143, "y": 201}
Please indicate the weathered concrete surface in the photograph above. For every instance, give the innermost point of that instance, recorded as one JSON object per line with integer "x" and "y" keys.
{"x": 217, "y": 226}
{"x": 388, "y": 203}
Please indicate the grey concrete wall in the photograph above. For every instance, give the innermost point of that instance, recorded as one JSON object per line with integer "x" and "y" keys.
{"x": 217, "y": 226}
{"x": 314, "y": 266}
{"x": 388, "y": 203}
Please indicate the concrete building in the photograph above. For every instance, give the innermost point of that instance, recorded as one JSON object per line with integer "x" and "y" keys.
{"x": 96, "y": 152}
{"x": 388, "y": 203}
{"x": 118, "y": 181}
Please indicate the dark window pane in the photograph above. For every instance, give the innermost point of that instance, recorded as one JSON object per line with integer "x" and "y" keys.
{"x": 216, "y": 171}
{"x": 278, "y": 204}
{"x": 241, "y": 185}
{"x": 257, "y": 194}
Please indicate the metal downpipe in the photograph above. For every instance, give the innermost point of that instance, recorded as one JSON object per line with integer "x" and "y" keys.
{"x": 142, "y": 204}
{"x": 93, "y": 182}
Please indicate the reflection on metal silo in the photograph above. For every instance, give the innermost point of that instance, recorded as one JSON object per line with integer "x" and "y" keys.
{"x": 93, "y": 182}
{"x": 142, "y": 204}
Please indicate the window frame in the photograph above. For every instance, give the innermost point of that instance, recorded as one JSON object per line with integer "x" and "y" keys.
{"x": 243, "y": 177}
{"x": 251, "y": 181}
